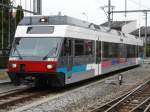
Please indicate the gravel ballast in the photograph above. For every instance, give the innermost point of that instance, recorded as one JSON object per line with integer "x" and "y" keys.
{"x": 99, "y": 92}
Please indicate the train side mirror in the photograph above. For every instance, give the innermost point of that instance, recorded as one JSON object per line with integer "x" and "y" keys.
{"x": 67, "y": 46}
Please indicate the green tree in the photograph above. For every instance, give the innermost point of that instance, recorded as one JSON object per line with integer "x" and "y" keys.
{"x": 8, "y": 25}
{"x": 19, "y": 14}
{"x": 5, "y": 31}
{"x": 4, "y": 24}
{"x": 148, "y": 50}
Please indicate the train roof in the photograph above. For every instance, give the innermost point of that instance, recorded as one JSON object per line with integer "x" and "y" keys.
{"x": 53, "y": 20}
{"x": 66, "y": 20}
{"x": 60, "y": 20}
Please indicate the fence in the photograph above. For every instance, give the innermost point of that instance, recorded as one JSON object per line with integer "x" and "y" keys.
{"x": 9, "y": 17}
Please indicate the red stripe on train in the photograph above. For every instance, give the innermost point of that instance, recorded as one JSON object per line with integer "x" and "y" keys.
{"x": 32, "y": 66}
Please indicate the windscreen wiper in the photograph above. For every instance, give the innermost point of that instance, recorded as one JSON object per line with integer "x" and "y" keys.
{"x": 20, "y": 57}
{"x": 52, "y": 50}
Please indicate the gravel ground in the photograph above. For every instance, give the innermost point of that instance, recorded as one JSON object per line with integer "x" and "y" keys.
{"x": 100, "y": 92}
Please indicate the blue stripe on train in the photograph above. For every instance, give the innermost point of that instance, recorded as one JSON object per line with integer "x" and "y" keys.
{"x": 114, "y": 61}
{"x": 62, "y": 69}
{"x": 78, "y": 68}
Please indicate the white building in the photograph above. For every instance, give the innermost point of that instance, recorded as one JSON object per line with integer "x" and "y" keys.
{"x": 124, "y": 26}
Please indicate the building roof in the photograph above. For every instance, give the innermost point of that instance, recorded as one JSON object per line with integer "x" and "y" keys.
{"x": 142, "y": 31}
{"x": 116, "y": 24}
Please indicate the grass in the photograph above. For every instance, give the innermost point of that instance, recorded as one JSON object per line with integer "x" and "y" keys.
{"x": 3, "y": 75}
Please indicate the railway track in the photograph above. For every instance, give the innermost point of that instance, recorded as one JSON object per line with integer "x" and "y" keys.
{"x": 14, "y": 98}
{"x": 138, "y": 100}
{"x": 5, "y": 83}
{"x": 104, "y": 107}
{"x": 11, "y": 99}
{"x": 8, "y": 88}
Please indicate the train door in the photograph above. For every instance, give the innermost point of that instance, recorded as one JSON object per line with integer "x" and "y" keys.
{"x": 69, "y": 56}
{"x": 98, "y": 57}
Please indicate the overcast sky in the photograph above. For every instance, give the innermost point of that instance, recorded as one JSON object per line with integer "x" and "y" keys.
{"x": 92, "y": 9}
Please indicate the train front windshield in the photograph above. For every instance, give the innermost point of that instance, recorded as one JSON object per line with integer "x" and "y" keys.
{"x": 39, "y": 47}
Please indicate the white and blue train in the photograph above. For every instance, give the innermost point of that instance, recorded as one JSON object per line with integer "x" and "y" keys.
{"x": 60, "y": 50}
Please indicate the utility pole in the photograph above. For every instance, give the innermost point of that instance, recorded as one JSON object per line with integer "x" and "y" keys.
{"x": 109, "y": 14}
{"x": 112, "y": 8}
{"x": 37, "y": 7}
{"x": 125, "y": 10}
{"x": 145, "y": 39}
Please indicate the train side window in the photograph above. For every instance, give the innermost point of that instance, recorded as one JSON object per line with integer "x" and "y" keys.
{"x": 88, "y": 47}
{"x": 79, "y": 47}
{"x": 131, "y": 51}
{"x": 66, "y": 48}
{"x": 105, "y": 50}
{"x": 120, "y": 50}
{"x": 137, "y": 51}
{"x": 111, "y": 50}
{"x": 141, "y": 51}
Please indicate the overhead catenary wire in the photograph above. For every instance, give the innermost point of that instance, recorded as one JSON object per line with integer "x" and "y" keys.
{"x": 98, "y": 1}
{"x": 136, "y": 3}
{"x": 11, "y": 6}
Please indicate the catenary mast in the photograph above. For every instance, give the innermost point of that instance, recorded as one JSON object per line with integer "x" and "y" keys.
{"x": 37, "y": 7}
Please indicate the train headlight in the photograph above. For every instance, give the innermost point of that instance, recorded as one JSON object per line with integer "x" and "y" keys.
{"x": 13, "y": 65}
{"x": 44, "y": 19}
{"x": 49, "y": 66}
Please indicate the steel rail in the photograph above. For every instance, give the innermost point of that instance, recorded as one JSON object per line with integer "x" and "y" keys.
{"x": 11, "y": 99}
{"x": 138, "y": 107}
{"x": 134, "y": 91}
{"x": 12, "y": 91}
{"x": 109, "y": 104}
{"x": 147, "y": 109}
{"x": 4, "y": 83}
